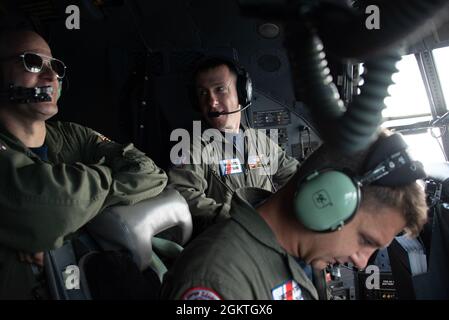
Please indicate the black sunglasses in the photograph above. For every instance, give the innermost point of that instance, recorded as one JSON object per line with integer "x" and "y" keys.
{"x": 34, "y": 62}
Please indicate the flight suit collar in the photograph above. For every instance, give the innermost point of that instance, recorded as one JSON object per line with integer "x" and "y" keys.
{"x": 206, "y": 126}
{"x": 298, "y": 273}
{"x": 244, "y": 202}
{"x": 12, "y": 140}
{"x": 243, "y": 211}
{"x": 51, "y": 140}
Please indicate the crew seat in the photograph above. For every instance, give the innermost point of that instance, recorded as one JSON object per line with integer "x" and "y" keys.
{"x": 119, "y": 255}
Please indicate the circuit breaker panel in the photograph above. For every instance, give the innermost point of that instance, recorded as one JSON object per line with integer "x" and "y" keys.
{"x": 295, "y": 134}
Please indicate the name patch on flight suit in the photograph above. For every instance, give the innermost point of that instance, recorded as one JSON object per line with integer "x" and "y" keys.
{"x": 289, "y": 290}
{"x": 255, "y": 162}
{"x": 230, "y": 166}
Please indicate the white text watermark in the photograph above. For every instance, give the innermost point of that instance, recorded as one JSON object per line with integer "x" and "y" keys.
{"x": 211, "y": 146}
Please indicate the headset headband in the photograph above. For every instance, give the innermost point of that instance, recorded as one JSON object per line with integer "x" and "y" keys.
{"x": 389, "y": 164}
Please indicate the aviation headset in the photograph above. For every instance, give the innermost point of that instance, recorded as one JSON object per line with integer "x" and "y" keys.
{"x": 60, "y": 81}
{"x": 328, "y": 199}
{"x": 243, "y": 83}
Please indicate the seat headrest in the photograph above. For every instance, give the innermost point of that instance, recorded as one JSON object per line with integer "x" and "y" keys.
{"x": 133, "y": 227}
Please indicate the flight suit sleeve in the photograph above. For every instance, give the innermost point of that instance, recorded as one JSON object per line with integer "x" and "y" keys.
{"x": 190, "y": 181}
{"x": 40, "y": 203}
{"x": 135, "y": 176}
{"x": 219, "y": 288}
{"x": 286, "y": 166}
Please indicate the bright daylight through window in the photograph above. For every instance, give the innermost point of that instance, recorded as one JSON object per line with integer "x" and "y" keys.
{"x": 408, "y": 103}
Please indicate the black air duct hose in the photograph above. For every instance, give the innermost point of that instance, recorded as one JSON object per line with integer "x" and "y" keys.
{"x": 352, "y": 129}
{"x": 345, "y": 34}
{"x": 364, "y": 114}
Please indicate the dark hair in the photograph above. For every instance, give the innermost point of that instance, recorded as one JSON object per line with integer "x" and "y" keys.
{"x": 208, "y": 63}
{"x": 409, "y": 199}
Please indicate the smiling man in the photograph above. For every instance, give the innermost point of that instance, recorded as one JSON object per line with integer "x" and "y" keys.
{"x": 239, "y": 157}
{"x": 56, "y": 176}
{"x": 216, "y": 89}
{"x": 336, "y": 209}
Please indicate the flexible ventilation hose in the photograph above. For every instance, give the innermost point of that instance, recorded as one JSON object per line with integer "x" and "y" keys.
{"x": 353, "y": 129}
{"x": 345, "y": 36}
{"x": 364, "y": 114}
{"x": 349, "y": 130}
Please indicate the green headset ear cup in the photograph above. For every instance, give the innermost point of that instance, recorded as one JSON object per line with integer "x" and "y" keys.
{"x": 326, "y": 200}
{"x": 59, "y": 89}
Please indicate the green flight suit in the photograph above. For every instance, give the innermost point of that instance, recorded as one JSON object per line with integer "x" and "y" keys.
{"x": 41, "y": 202}
{"x": 238, "y": 259}
{"x": 208, "y": 192}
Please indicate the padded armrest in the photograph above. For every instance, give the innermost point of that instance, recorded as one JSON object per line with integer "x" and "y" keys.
{"x": 133, "y": 227}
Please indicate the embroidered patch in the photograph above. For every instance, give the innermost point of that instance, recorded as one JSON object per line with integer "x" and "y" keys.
{"x": 230, "y": 166}
{"x": 200, "y": 293}
{"x": 289, "y": 290}
{"x": 103, "y": 138}
{"x": 255, "y": 162}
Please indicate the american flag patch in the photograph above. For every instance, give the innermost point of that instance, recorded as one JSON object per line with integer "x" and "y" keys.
{"x": 289, "y": 290}
{"x": 230, "y": 166}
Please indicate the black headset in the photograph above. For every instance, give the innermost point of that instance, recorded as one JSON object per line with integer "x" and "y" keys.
{"x": 60, "y": 82}
{"x": 243, "y": 83}
{"x": 328, "y": 199}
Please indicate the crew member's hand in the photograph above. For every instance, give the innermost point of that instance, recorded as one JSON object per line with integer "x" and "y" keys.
{"x": 35, "y": 258}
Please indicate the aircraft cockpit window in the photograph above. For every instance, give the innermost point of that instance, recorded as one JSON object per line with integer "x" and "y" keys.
{"x": 409, "y": 111}
{"x": 408, "y": 95}
{"x": 425, "y": 147}
{"x": 441, "y": 57}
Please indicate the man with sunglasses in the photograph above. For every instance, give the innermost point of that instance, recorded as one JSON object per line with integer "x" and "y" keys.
{"x": 55, "y": 176}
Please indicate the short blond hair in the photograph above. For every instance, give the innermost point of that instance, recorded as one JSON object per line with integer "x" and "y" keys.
{"x": 410, "y": 200}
